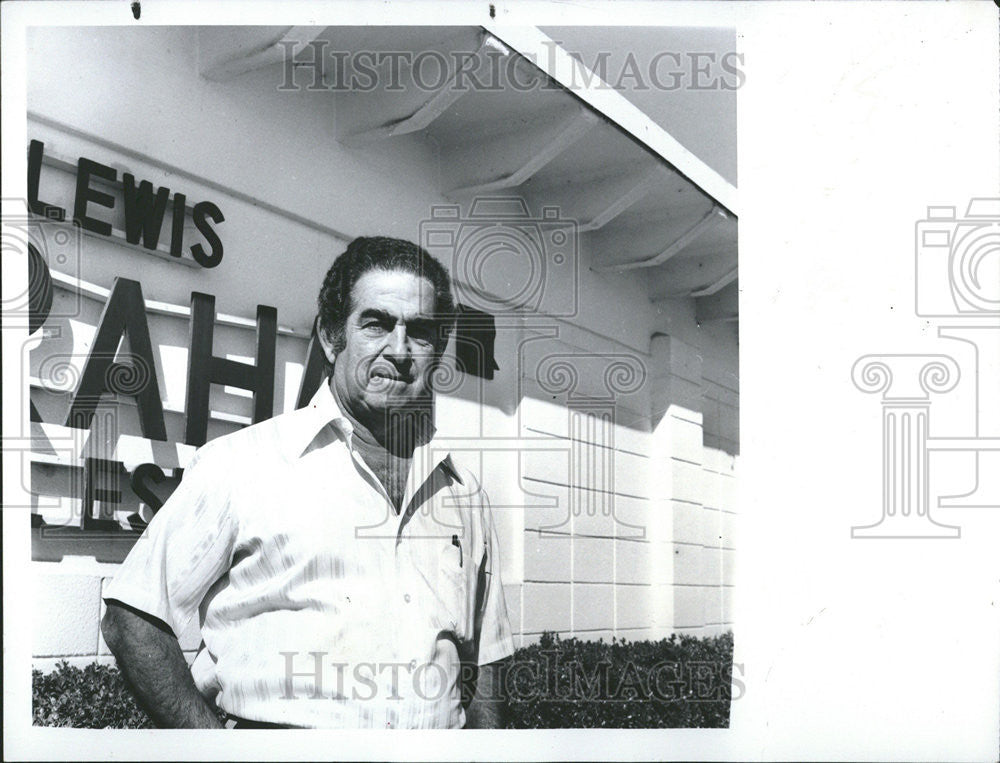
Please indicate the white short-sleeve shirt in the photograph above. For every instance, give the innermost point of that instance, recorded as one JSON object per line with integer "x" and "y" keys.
{"x": 319, "y": 606}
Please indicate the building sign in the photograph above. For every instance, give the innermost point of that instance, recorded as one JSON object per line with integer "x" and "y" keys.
{"x": 105, "y": 374}
{"x": 145, "y": 209}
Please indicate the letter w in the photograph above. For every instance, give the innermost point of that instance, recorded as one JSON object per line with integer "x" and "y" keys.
{"x": 143, "y": 212}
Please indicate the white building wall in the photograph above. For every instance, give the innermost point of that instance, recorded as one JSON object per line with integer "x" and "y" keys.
{"x": 656, "y": 560}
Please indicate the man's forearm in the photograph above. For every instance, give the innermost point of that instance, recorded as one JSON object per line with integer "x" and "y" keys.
{"x": 154, "y": 666}
{"x": 487, "y": 710}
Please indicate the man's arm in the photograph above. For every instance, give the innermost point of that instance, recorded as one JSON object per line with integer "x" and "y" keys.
{"x": 151, "y": 659}
{"x": 487, "y": 709}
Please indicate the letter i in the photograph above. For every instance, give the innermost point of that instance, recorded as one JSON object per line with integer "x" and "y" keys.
{"x": 177, "y": 229}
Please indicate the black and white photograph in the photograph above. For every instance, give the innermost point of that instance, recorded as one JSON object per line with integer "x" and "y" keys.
{"x": 428, "y": 402}
{"x": 386, "y": 369}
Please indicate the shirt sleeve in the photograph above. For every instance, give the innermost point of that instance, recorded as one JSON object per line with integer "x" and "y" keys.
{"x": 186, "y": 547}
{"x": 495, "y": 638}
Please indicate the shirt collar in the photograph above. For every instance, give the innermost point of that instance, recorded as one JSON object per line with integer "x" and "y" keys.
{"x": 322, "y": 421}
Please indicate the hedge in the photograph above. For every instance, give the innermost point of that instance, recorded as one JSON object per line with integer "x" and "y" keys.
{"x": 679, "y": 682}
{"x": 93, "y": 697}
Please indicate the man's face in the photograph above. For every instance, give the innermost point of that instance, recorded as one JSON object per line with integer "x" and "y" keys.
{"x": 389, "y": 351}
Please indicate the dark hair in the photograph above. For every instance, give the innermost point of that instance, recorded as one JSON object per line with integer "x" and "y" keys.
{"x": 368, "y": 253}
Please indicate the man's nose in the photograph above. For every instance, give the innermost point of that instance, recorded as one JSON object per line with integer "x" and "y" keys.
{"x": 398, "y": 345}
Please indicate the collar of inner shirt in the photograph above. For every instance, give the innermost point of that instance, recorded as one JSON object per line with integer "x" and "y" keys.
{"x": 324, "y": 423}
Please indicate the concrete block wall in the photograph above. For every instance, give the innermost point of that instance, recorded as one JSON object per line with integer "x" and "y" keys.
{"x": 696, "y": 399}
{"x": 68, "y": 608}
{"x": 588, "y": 539}
{"x": 720, "y": 374}
{"x": 674, "y": 476}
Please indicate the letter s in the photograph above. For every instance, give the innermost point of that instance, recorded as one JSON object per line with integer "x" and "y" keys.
{"x": 143, "y": 475}
{"x": 202, "y": 210}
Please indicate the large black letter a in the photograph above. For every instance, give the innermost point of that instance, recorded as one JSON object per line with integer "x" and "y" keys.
{"x": 125, "y": 313}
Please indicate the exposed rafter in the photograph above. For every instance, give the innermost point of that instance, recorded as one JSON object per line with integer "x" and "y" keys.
{"x": 640, "y": 190}
{"x": 380, "y": 127}
{"x": 574, "y": 128}
{"x": 723, "y": 305}
{"x": 719, "y": 283}
{"x": 292, "y": 42}
{"x": 692, "y": 275}
{"x": 715, "y": 215}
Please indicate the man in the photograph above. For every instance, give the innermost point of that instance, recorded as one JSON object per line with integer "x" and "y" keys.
{"x": 344, "y": 571}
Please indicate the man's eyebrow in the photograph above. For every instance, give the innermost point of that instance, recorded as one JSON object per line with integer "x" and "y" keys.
{"x": 380, "y": 315}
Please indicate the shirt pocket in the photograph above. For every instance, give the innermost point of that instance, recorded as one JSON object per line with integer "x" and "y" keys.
{"x": 454, "y": 589}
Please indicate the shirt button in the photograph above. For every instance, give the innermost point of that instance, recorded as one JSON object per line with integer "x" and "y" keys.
{"x": 406, "y": 598}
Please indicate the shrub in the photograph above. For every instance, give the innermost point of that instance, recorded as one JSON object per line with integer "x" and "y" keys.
{"x": 94, "y": 697}
{"x": 678, "y": 682}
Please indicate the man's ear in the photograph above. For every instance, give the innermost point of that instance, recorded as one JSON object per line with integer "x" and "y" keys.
{"x": 326, "y": 342}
